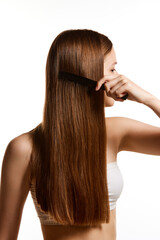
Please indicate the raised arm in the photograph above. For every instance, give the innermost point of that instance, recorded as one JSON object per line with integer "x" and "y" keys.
{"x": 135, "y": 136}
{"x": 14, "y": 186}
{"x": 132, "y": 135}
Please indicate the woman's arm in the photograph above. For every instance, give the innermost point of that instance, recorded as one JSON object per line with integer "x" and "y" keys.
{"x": 154, "y": 104}
{"x": 133, "y": 135}
{"x": 14, "y": 186}
{"x": 140, "y": 137}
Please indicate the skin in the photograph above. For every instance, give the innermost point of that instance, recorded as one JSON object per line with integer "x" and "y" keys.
{"x": 117, "y": 85}
{"x": 109, "y": 68}
{"x": 123, "y": 134}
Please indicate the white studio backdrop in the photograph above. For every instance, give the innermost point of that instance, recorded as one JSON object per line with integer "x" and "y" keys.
{"x": 28, "y": 27}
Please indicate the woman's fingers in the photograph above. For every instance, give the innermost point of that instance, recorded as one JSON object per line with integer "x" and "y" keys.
{"x": 107, "y": 78}
{"x": 117, "y": 86}
{"x": 112, "y": 84}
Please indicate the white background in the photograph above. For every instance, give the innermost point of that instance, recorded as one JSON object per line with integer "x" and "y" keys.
{"x": 28, "y": 28}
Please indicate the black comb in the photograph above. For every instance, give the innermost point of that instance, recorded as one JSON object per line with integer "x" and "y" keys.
{"x": 83, "y": 81}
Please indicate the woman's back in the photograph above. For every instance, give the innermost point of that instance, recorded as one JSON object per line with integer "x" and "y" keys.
{"x": 106, "y": 231}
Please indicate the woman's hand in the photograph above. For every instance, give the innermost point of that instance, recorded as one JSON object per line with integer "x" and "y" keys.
{"x": 118, "y": 85}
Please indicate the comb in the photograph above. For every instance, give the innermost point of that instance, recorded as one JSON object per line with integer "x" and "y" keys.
{"x": 83, "y": 81}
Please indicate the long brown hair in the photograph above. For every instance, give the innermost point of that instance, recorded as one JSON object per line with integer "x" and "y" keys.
{"x": 68, "y": 157}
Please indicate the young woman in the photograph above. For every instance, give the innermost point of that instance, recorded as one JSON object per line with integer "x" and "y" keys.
{"x": 69, "y": 160}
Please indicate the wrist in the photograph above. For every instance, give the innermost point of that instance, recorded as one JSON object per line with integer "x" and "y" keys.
{"x": 154, "y": 104}
{"x": 149, "y": 100}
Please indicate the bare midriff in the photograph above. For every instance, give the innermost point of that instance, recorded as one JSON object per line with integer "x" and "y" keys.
{"x": 106, "y": 231}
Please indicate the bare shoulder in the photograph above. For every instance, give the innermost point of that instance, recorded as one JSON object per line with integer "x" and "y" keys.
{"x": 134, "y": 135}
{"x": 115, "y": 130}
{"x": 17, "y": 160}
{"x": 114, "y": 125}
{"x": 18, "y": 153}
{"x": 114, "y": 119}
{"x": 15, "y": 184}
{"x": 21, "y": 144}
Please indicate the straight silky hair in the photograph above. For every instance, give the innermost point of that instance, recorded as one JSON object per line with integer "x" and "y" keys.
{"x": 69, "y": 158}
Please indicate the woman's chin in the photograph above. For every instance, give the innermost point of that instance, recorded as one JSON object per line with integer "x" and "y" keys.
{"x": 109, "y": 103}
